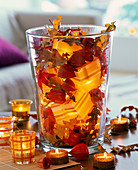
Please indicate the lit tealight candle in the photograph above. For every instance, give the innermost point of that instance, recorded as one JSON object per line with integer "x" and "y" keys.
{"x": 119, "y": 124}
{"x": 104, "y": 161}
{"x": 20, "y": 109}
{"x": 57, "y": 156}
{"x": 23, "y": 146}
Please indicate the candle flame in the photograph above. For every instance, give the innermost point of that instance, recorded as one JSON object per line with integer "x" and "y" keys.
{"x": 119, "y": 118}
{"x": 57, "y": 151}
{"x": 105, "y": 154}
{"x": 20, "y": 108}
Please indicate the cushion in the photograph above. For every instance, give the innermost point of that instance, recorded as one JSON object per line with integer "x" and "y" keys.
{"x": 10, "y": 54}
{"x": 10, "y": 29}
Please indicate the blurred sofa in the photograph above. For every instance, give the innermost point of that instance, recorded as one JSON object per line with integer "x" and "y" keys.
{"x": 16, "y": 80}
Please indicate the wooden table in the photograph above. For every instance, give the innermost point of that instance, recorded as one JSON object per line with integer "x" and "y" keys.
{"x": 120, "y": 94}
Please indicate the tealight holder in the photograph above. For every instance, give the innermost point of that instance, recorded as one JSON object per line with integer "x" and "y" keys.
{"x": 58, "y": 156}
{"x": 119, "y": 124}
{"x": 6, "y": 127}
{"x": 104, "y": 161}
{"x": 23, "y": 146}
{"x": 20, "y": 109}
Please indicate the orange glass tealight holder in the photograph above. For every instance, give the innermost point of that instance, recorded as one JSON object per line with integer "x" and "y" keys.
{"x": 20, "y": 109}
{"x": 6, "y": 126}
{"x": 23, "y": 146}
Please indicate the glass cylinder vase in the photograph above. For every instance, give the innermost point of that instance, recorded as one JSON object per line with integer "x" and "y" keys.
{"x": 71, "y": 84}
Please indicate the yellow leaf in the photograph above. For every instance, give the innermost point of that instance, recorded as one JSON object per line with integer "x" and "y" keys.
{"x": 70, "y": 124}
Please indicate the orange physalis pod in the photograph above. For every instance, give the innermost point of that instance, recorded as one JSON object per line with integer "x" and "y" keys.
{"x": 55, "y": 24}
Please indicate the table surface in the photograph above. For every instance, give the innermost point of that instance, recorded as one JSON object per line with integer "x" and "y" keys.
{"x": 120, "y": 94}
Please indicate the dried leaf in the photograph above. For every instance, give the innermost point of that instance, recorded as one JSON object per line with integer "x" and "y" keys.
{"x": 133, "y": 123}
{"x": 103, "y": 41}
{"x": 97, "y": 97}
{"x": 110, "y": 27}
{"x": 94, "y": 115}
{"x": 130, "y": 108}
{"x": 56, "y": 95}
{"x": 68, "y": 85}
{"x": 44, "y": 55}
{"x": 66, "y": 72}
{"x": 125, "y": 149}
{"x": 107, "y": 110}
{"x": 76, "y": 60}
{"x": 71, "y": 41}
{"x": 107, "y": 136}
{"x": 42, "y": 78}
{"x": 57, "y": 59}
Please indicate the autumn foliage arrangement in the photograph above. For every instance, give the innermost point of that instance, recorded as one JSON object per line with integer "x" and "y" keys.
{"x": 71, "y": 69}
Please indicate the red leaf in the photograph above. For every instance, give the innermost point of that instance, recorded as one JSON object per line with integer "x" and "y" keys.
{"x": 42, "y": 78}
{"x": 88, "y": 41}
{"x": 57, "y": 96}
{"x": 74, "y": 138}
{"x": 87, "y": 53}
{"x": 76, "y": 60}
{"x": 80, "y": 151}
{"x": 68, "y": 85}
{"x": 47, "y": 112}
{"x": 66, "y": 72}
{"x": 49, "y": 123}
{"x": 97, "y": 97}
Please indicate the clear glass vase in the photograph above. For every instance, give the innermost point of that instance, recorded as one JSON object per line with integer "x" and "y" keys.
{"x": 71, "y": 84}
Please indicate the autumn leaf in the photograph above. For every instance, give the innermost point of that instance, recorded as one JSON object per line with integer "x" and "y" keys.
{"x": 66, "y": 72}
{"x": 94, "y": 114}
{"x": 48, "y": 123}
{"x": 107, "y": 110}
{"x": 124, "y": 149}
{"x": 57, "y": 59}
{"x": 71, "y": 41}
{"x": 130, "y": 108}
{"x": 55, "y": 81}
{"x": 97, "y": 97}
{"x": 107, "y": 136}
{"x": 71, "y": 123}
{"x": 42, "y": 78}
{"x": 110, "y": 27}
{"x": 47, "y": 112}
{"x": 87, "y": 53}
{"x": 102, "y": 41}
{"x": 76, "y": 60}
{"x": 44, "y": 55}
{"x": 57, "y": 96}
{"x": 68, "y": 85}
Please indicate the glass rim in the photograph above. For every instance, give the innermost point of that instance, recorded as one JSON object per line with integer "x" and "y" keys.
{"x": 20, "y": 101}
{"x": 23, "y": 132}
{"x": 28, "y": 31}
{"x": 6, "y": 118}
